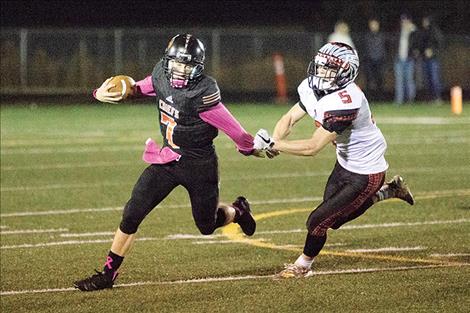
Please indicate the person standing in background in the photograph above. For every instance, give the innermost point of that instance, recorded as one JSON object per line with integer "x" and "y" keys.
{"x": 430, "y": 42}
{"x": 341, "y": 34}
{"x": 374, "y": 59}
{"x": 404, "y": 67}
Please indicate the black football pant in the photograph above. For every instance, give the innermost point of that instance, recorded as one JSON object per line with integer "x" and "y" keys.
{"x": 200, "y": 177}
{"x": 347, "y": 195}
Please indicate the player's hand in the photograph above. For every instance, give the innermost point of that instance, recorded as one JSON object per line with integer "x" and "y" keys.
{"x": 104, "y": 94}
{"x": 272, "y": 153}
{"x": 262, "y": 140}
{"x": 258, "y": 153}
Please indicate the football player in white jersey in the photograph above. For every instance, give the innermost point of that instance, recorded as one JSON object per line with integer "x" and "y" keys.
{"x": 342, "y": 116}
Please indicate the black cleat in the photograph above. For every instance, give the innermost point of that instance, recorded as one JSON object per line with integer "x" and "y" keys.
{"x": 243, "y": 216}
{"x": 97, "y": 281}
{"x": 400, "y": 189}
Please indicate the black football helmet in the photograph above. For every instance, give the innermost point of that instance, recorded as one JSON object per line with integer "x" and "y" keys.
{"x": 183, "y": 60}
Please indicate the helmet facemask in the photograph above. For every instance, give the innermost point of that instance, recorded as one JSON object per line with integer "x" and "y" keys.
{"x": 183, "y": 61}
{"x": 334, "y": 67}
{"x": 179, "y": 74}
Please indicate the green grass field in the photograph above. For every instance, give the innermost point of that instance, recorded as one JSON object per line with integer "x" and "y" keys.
{"x": 66, "y": 173}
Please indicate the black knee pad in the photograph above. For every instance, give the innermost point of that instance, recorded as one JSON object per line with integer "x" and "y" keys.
{"x": 314, "y": 225}
{"x": 337, "y": 225}
{"x": 131, "y": 217}
{"x": 128, "y": 227}
{"x": 312, "y": 222}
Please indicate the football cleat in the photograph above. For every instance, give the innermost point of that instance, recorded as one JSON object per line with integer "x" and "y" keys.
{"x": 97, "y": 281}
{"x": 294, "y": 271}
{"x": 399, "y": 189}
{"x": 243, "y": 216}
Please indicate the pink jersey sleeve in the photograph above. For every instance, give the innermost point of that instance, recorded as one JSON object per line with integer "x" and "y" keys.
{"x": 145, "y": 87}
{"x": 220, "y": 117}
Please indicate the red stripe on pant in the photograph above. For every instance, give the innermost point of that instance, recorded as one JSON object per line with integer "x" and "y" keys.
{"x": 374, "y": 184}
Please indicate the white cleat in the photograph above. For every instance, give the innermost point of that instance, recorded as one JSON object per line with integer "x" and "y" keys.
{"x": 293, "y": 271}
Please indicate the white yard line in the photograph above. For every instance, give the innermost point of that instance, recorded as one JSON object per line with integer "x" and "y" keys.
{"x": 460, "y": 169}
{"x": 73, "y": 149}
{"x": 67, "y": 165}
{"x": 446, "y": 255}
{"x": 32, "y": 231}
{"x": 58, "y": 212}
{"x": 301, "y": 230}
{"x": 385, "y": 225}
{"x": 421, "y": 120}
{"x": 209, "y": 239}
{"x": 100, "y": 233}
{"x": 387, "y": 249}
{"x": 70, "y": 211}
{"x": 70, "y": 242}
{"x": 232, "y": 278}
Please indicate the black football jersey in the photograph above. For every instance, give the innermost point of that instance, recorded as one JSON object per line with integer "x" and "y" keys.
{"x": 181, "y": 127}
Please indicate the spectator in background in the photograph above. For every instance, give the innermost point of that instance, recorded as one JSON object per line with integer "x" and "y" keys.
{"x": 341, "y": 34}
{"x": 374, "y": 59}
{"x": 430, "y": 42}
{"x": 404, "y": 66}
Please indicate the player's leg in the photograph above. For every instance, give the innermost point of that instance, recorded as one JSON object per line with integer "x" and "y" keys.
{"x": 351, "y": 191}
{"x": 210, "y": 214}
{"x": 155, "y": 183}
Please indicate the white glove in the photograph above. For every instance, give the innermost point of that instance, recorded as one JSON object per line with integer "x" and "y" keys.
{"x": 262, "y": 140}
{"x": 104, "y": 94}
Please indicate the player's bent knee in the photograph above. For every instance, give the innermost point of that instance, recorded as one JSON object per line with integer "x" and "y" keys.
{"x": 315, "y": 226}
{"x": 128, "y": 226}
{"x": 312, "y": 222}
{"x": 336, "y": 225}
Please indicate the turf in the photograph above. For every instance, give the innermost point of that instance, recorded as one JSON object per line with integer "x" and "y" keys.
{"x": 66, "y": 172}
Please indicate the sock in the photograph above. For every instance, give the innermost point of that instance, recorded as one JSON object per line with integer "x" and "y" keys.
{"x": 113, "y": 261}
{"x": 384, "y": 193}
{"x": 220, "y": 219}
{"x": 303, "y": 261}
{"x": 313, "y": 245}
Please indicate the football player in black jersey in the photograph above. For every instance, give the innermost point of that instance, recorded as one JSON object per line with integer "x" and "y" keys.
{"x": 190, "y": 114}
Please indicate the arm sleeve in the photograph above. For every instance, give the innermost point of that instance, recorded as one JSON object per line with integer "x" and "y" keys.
{"x": 221, "y": 118}
{"x": 144, "y": 87}
{"x": 337, "y": 121}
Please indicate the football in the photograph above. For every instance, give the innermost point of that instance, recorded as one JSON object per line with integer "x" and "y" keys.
{"x": 123, "y": 84}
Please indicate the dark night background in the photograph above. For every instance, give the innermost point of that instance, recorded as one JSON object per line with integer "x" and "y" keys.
{"x": 452, "y": 16}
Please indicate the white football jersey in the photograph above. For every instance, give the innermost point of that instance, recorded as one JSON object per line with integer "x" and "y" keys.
{"x": 360, "y": 145}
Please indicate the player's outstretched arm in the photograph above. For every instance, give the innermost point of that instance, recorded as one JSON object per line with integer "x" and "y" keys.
{"x": 109, "y": 92}
{"x": 221, "y": 118}
{"x": 306, "y": 147}
{"x": 287, "y": 121}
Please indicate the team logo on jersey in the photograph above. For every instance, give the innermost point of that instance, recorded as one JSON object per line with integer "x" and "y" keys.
{"x": 165, "y": 107}
{"x": 169, "y": 99}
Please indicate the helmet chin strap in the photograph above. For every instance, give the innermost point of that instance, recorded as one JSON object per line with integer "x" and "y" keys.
{"x": 178, "y": 83}
{"x": 323, "y": 84}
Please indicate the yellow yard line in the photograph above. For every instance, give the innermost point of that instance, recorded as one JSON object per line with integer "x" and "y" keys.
{"x": 232, "y": 232}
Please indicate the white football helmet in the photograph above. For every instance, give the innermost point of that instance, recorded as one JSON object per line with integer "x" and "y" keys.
{"x": 335, "y": 66}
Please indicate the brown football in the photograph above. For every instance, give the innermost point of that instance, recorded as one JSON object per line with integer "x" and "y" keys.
{"x": 123, "y": 84}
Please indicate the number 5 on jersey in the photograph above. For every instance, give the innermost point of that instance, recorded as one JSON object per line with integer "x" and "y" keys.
{"x": 170, "y": 126}
{"x": 345, "y": 97}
